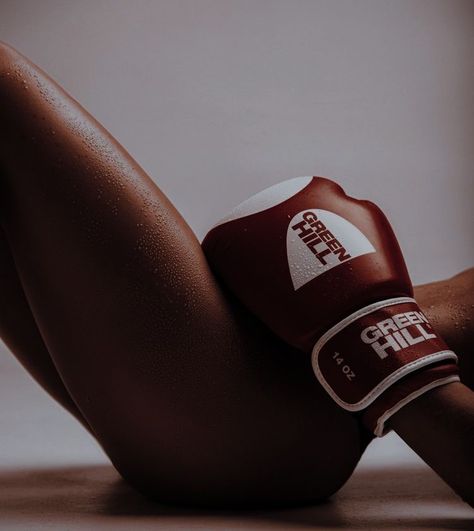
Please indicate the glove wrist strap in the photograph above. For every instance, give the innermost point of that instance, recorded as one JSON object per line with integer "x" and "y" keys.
{"x": 358, "y": 359}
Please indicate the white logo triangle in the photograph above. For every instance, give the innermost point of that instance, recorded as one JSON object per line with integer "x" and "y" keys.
{"x": 303, "y": 258}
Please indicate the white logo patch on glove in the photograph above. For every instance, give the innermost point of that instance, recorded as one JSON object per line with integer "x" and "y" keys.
{"x": 318, "y": 240}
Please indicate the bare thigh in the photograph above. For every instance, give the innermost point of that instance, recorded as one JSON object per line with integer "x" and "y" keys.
{"x": 19, "y": 332}
{"x": 193, "y": 401}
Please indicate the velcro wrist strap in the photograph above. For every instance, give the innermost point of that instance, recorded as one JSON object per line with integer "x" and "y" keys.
{"x": 369, "y": 351}
{"x": 404, "y": 391}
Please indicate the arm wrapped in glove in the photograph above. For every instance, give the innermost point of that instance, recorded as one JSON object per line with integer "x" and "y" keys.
{"x": 325, "y": 272}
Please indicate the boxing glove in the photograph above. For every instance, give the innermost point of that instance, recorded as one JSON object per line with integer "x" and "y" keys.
{"x": 324, "y": 271}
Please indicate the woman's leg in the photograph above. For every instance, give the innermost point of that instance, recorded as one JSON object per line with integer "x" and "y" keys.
{"x": 191, "y": 399}
{"x": 19, "y": 332}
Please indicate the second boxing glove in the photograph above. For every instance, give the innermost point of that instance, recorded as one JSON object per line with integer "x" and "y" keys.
{"x": 324, "y": 271}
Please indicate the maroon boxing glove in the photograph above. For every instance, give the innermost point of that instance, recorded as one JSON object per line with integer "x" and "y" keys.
{"x": 324, "y": 271}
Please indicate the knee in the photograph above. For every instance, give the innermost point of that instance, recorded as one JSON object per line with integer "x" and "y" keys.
{"x": 12, "y": 79}
{"x": 7, "y": 59}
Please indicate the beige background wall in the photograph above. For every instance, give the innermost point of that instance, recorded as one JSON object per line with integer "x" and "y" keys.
{"x": 218, "y": 99}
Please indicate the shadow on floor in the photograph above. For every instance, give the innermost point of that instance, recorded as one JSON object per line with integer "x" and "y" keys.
{"x": 377, "y": 499}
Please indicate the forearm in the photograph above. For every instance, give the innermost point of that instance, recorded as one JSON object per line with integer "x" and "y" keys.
{"x": 449, "y": 305}
{"x": 439, "y": 427}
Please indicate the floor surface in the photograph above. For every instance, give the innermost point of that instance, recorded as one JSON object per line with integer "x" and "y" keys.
{"x": 54, "y": 477}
